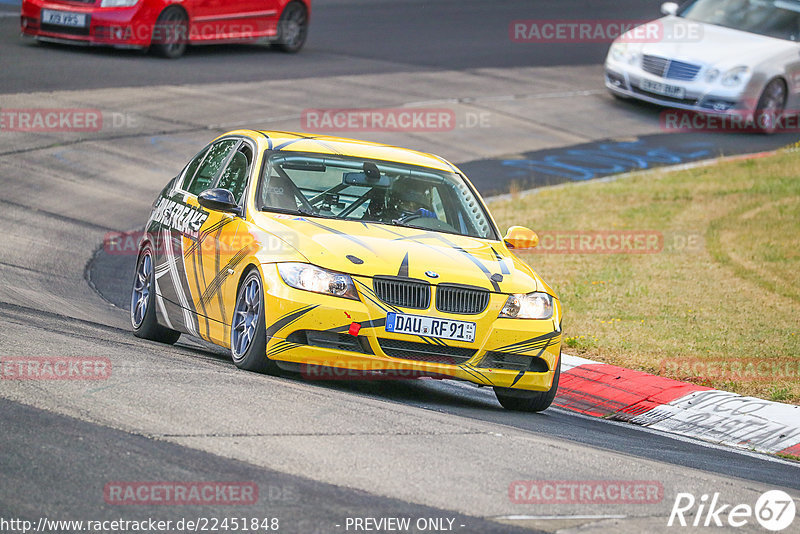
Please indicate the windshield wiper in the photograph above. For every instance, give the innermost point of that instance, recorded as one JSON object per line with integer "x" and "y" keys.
{"x": 299, "y": 211}
{"x": 398, "y": 222}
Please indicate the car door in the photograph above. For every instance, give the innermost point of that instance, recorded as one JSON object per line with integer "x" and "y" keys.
{"x": 221, "y": 247}
{"x": 180, "y": 226}
{"x": 233, "y": 20}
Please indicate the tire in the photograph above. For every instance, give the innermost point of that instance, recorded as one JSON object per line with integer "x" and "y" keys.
{"x": 143, "y": 298}
{"x": 170, "y": 33}
{"x": 770, "y": 106}
{"x": 521, "y": 400}
{"x": 292, "y": 28}
{"x": 248, "y": 330}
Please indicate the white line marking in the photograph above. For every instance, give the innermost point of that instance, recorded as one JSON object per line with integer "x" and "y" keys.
{"x": 711, "y": 416}
{"x": 487, "y": 392}
{"x": 679, "y": 437}
{"x": 568, "y": 361}
{"x": 503, "y": 98}
{"x": 549, "y": 517}
{"x": 465, "y": 100}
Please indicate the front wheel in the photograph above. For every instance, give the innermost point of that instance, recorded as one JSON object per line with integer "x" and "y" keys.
{"x": 521, "y": 400}
{"x": 143, "y": 310}
{"x": 171, "y": 33}
{"x": 248, "y": 330}
{"x": 770, "y": 106}
{"x": 292, "y": 28}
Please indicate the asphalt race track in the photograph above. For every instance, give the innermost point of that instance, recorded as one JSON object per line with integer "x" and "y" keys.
{"x": 319, "y": 452}
{"x": 348, "y": 37}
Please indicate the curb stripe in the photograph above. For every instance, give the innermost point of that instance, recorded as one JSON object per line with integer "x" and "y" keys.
{"x": 603, "y": 390}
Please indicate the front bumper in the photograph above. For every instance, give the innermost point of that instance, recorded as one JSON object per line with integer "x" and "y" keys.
{"x": 122, "y": 27}
{"x": 626, "y": 80}
{"x": 317, "y": 330}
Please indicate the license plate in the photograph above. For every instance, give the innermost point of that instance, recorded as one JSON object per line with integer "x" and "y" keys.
{"x": 64, "y": 18}
{"x": 430, "y": 326}
{"x": 659, "y": 88}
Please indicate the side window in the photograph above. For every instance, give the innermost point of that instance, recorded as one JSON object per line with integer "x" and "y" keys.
{"x": 192, "y": 168}
{"x": 211, "y": 164}
{"x": 234, "y": 177}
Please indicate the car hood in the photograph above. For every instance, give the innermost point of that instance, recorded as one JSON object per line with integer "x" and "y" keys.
{"x": 716, "y": 46}
{"x": 368, "y": 249}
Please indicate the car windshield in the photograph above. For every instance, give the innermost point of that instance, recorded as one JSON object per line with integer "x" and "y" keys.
{"x": 773, "y": 18}
{"x": 373, "y": 191}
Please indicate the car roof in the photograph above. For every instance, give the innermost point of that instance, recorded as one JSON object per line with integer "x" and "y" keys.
{"x": 326, "y": 144}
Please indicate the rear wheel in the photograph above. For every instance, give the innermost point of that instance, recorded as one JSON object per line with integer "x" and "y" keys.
{"x": 770, "y": 106}
{"x": 143, "y": 310}
{"x": 521, "y": 400}
{"x": 292, "y": 28}
{"x": 171, "y": 33}
{"x": 248, "y": 330}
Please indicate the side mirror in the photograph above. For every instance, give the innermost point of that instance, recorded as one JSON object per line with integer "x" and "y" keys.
{"x": 669, "y": 8}
{"x": 521, "y": 237}
{"x": 219, "y": 199}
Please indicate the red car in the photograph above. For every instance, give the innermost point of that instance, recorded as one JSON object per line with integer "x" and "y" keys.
{"x": 167, "y": 26}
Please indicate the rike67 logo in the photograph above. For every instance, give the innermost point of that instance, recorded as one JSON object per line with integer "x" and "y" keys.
{"x": 774, "y": 510}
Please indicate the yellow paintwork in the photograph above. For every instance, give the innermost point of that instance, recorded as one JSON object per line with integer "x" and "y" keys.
{"x": 520, "y": 237}
{"x": 263, "y": 239}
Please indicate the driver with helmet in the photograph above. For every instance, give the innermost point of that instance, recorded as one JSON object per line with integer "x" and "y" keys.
{"x": 407, "y": 200}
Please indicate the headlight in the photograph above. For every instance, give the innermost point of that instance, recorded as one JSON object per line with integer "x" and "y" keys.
{"x": 530, "y": 306}
{"x": 618, "y": 51}
{"x": 712, "y": 75}
{"x": 735, "y": 76}
{"x": 317, "y": 280}
{"x": 118, "y": 3}
{"x": 623, "y": 52}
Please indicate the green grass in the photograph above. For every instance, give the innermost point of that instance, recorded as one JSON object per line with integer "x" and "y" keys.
{"x": 725, "y": 286}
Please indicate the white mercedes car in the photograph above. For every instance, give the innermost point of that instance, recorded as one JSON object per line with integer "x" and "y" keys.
{"x": 731, "y": 57}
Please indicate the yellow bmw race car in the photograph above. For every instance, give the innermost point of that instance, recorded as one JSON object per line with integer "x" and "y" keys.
{"x": 316, "y": 253}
